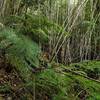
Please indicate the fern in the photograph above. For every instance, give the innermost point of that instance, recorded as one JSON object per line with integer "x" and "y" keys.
{"x": 20, "y": 51}
{"x": 37, "y": 27}
{"x": 32, "y": 25}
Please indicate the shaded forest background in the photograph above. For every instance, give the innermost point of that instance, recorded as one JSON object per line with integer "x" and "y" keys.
{"x": 70, "y": 32}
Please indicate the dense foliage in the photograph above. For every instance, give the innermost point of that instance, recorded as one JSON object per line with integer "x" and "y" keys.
{"x": 49, "y": 49}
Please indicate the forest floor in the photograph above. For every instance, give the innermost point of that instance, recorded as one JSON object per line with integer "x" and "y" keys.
{"x": 79, "y": 81}
{"x": 10, "y": 85}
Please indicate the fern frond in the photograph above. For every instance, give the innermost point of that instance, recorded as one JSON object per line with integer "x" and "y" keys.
{"x": 20, "y": 51}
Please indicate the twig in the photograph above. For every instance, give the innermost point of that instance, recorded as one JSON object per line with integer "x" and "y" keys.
{"x": 76, "y": 73}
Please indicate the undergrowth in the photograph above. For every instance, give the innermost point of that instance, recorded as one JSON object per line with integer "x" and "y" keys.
{"x": 79, "y": 81}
